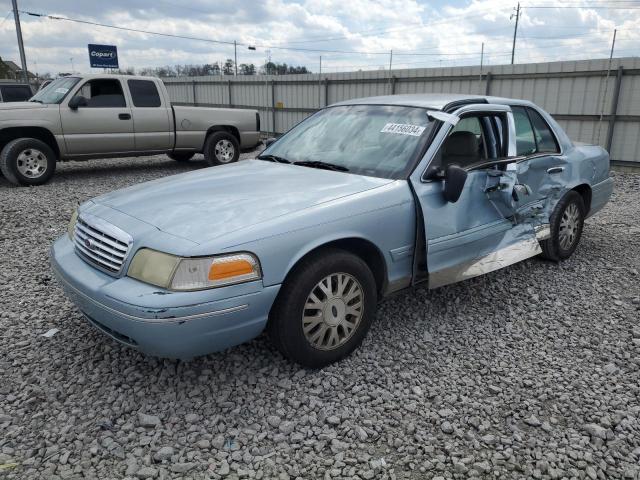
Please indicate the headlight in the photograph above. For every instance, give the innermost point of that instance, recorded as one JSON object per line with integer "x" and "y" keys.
{"x": 176, "y": 273}
{"x": 72, "y": 224}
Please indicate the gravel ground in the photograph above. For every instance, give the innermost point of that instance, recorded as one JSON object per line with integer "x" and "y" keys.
{"x": 529, "y": 372}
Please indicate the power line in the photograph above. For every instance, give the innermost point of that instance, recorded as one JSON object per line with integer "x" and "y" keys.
{"x": 225, "y": 42}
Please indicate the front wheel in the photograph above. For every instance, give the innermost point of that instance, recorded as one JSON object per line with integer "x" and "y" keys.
{"x": 566, "y": 222}
{"x": 324, "y": 309}
{"x": 27, "y": 161}
{"x": 221, "y": 148}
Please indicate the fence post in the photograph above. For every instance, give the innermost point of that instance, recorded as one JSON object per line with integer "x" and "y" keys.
{"x": 393, "y": 84}
{"x": 487, "y": 90}
{"x": 326, "y": 91}
{"x": 273, "y": 107}
{"x": 195, "y": 99}
{"x": 614, "y": 108}
{"x": 229, "y": 93}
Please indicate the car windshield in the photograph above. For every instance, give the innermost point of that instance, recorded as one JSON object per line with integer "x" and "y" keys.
{"x": 55, "y": 91}
{"x": 372, "y": 140}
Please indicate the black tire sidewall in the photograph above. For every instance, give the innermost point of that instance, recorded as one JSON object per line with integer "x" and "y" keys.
{"x": 210, "y": 145}
{"x": 9, "y": 159}
{"x": 286, "y": 317}
{"x": 570, "y": 198}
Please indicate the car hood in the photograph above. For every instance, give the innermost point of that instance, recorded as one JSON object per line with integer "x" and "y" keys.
{"x": 21, "y": 106}
{"x": 206, "y": 204}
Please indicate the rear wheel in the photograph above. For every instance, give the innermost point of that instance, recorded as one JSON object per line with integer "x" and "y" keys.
{"x": 27, "y": 161}
{"x": 566, "y": 222}
{"x": 221, "y": 148}
{"x": 181, "y": 156}
{"x": 324, "y": 309}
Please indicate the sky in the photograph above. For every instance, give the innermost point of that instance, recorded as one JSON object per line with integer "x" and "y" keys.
{"x": 349, "y": 34}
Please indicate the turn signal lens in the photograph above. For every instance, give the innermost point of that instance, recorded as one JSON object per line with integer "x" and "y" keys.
{"x": 230, "y": 268}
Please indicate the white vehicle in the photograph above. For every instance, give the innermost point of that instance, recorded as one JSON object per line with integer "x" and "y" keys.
{"x": 101, "y": 116}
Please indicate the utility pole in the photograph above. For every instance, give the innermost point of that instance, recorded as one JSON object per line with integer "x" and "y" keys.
{"x": 606, "y": 84}
{"x": 23, "y": 59}
{"x": 515, "y": 32}
{"x": 235, "y": 56}
{"x": 481, "y": 65}
{"x": 320, "y": 84}
{"x": 390, "y": 64}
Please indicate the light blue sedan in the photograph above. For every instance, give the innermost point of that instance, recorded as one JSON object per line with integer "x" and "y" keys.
{"x": 362, "y": 199}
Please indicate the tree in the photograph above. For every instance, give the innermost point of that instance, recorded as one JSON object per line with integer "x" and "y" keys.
{"x": 228, "y": 68}
{"x": 247, "y": 69}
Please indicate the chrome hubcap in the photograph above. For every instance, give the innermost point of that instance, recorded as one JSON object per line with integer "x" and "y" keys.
{"x": 32, "y": 163}
{"x": 333, "y": 311}
{"x": 225, "y": 151}
{"x": 569, "y": 226}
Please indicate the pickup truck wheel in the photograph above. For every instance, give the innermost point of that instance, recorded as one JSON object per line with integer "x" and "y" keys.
{"x": 221, "y": 148}
{"x": 566, "y": 222}
{"x": 181, "y": 156}
{"x": 27, "y": 161}
{"x": 324, "y": 309}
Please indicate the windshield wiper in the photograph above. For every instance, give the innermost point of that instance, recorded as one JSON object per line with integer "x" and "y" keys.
{"x": 323, "y": 165}
{"x": 38, "y": 101}
{"x": 273, "y": 158}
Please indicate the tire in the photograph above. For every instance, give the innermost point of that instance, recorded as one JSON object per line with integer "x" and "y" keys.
{"x": 286, "y": 326}
{"x": 27, "y": 161}
{"x": 221, "y": 148}
{"x": 566, "y": 222}
{"x": 181, "y": 156}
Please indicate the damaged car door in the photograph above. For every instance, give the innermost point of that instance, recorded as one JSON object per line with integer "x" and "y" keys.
{"x": 472, "y": 226}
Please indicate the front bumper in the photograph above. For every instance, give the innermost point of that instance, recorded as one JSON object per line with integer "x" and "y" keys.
{"x": 159, "y": 322}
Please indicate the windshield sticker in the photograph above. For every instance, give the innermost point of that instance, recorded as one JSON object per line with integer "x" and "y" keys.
{"x": 403, "y": 129}
{"x": 61, "y": 90}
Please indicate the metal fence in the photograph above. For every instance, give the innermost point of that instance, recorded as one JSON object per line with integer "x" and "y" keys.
{"x": 591, "y": 102}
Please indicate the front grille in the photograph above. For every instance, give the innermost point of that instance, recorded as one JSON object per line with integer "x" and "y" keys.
{"x": 101, "y": 244}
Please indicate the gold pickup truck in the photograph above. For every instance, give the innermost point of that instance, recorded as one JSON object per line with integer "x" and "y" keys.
{"x": 103, "y": 116}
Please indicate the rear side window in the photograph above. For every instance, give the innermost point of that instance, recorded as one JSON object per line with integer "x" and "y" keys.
{"x": 545, "y": 140}
{"x": 15, "y": 93}
{"x": 525, "y": 140}
{"x": 144, "y": 93}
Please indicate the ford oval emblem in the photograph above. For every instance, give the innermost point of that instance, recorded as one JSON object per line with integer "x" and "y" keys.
{"x": 88, "y": 243}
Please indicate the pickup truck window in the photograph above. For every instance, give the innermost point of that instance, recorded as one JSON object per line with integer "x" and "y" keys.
{"x": 103, "y": 93}
{"x": 144, "y": 93}
{"x": 55, "y": 92}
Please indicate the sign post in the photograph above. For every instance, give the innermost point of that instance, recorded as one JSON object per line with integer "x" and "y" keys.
{"x": 103, "y": 56}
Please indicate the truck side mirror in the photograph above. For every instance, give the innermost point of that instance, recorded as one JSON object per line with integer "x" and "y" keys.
{"x": 454, "y": 180}
{"x": 77, "y": 101}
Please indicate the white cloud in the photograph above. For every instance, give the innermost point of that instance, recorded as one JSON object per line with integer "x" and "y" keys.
{"x": 454, "y": 29}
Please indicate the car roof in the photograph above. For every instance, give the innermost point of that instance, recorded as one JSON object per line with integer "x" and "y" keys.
{"x": 434, "y": 101}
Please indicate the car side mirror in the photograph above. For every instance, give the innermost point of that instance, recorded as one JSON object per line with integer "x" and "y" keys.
{"x": 269, "y": 141}
{"x": 77, "y": 101}
{"x": 454, "y": 180}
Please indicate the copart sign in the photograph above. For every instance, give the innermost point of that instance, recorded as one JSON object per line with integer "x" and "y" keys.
{"x": 103, "y": 56}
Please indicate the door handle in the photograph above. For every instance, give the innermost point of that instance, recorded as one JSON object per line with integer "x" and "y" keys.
{"x": 555, "y": 170}
{"x": 124, "y": 116}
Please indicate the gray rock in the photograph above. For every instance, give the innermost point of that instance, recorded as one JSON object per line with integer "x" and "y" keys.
{"x": 146, "y": 472}
{"x": 446, "y": 427}
{"x": 145, "y": 420}
{"x": 164, "y": 453}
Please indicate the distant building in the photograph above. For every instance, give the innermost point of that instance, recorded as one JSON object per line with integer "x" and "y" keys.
{"x": 10, "y": 70}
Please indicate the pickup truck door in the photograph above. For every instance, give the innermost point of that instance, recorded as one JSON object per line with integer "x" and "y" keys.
{"x": 152, "y": 117}
{"x": 479, "y": 232}
{"x": 102, "y": 124}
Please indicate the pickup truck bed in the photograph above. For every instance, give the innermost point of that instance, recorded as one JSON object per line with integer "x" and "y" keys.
{"x": 102, "y": 116}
